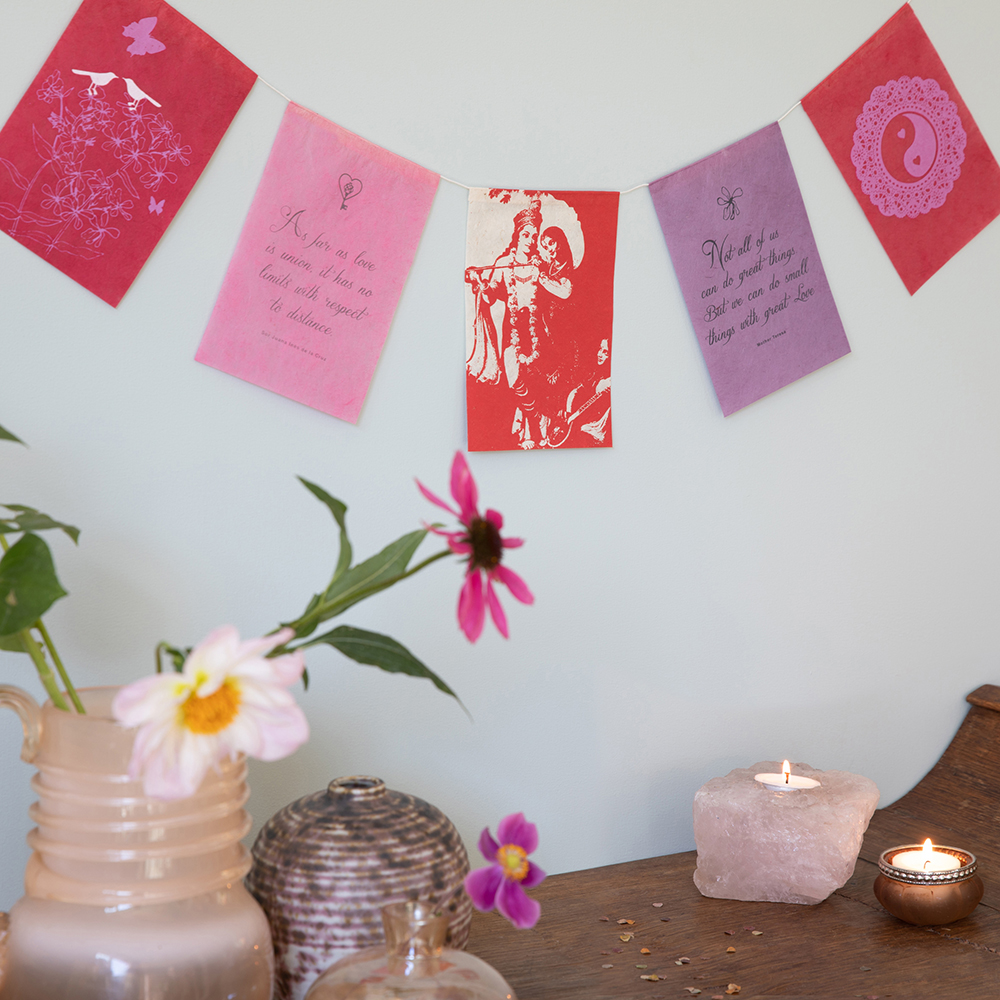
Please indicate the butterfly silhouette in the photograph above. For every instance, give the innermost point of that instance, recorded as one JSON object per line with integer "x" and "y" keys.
{"x": 142, "y": 32}
{"x": 728, "y": 202}
{"x": 156, "y": 206}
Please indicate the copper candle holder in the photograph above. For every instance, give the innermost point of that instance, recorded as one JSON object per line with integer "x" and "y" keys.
{"x": 927, "y": 898}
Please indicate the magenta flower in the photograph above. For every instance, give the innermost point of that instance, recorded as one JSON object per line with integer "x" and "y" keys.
{"x": 502, "y": 884}
{"x": 482, "y": 543}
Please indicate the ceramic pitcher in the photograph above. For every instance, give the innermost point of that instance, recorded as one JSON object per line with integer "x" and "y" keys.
{"x": 128, "y": 897}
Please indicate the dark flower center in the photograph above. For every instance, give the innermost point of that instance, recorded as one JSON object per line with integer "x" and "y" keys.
{"x": 487, "y": 546}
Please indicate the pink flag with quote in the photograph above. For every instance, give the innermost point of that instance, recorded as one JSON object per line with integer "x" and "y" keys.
{"x": 741, "y": 244}
{"x": 319, "y": 267}
{"x": 114, "y": 131}
{"x": 907, "y": 145}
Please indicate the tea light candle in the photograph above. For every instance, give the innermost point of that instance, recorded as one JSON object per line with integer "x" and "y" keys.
{"x": 786, "y": 781}
{"x": 948, "y": 889}
{"x": 925, "y": 860}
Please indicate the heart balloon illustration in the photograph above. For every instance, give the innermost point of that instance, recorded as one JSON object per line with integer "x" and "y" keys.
{"x": 350, "y": 187}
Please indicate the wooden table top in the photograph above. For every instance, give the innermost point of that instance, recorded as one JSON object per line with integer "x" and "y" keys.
{"x": 846, "y": 946}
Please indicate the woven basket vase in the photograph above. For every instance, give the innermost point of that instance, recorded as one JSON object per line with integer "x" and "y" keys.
{"x": 325, "y": 865}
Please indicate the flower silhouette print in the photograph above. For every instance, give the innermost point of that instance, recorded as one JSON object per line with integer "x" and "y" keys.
{"x": 68, "y": 191}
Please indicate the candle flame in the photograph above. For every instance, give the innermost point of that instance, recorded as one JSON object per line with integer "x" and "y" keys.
{"x": 786, "y": 770}
{"x": 927, "y": 852}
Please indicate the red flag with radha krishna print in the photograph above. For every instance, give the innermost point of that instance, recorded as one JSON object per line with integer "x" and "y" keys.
{"x": 539, "y": 306}
{"x": 908, "y": 147}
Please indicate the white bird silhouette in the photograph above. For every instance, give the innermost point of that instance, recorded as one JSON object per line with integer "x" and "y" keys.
{"x": 137, "y": 95}
{"x": 96, "y": 79}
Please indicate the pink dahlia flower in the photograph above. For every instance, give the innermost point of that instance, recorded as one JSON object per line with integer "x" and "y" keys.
{"x": 502, "y": 884}
{"x": 482, "y": 543}
{"x": 229, "y": 699}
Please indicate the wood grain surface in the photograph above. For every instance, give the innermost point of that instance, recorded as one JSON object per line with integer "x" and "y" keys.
{"x": 847, "y": 946}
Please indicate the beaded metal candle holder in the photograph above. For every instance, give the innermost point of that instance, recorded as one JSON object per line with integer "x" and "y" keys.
{"x": 928, "y": 898}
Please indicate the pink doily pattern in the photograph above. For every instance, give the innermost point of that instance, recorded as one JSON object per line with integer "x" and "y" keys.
{"x": 908, "y": 147}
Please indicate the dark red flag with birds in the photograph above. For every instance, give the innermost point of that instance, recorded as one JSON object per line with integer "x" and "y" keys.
{"x": 114, "y": 131}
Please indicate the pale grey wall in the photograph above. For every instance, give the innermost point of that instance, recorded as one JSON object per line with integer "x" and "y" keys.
{"x": 814, "y": 577}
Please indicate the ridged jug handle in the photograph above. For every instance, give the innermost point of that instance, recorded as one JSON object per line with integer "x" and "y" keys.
{"x": 4, "y": 925}
{"x": 30, "y": 715}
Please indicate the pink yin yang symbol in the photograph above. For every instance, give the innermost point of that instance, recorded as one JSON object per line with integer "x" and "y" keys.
{"x": 909, "y": 146}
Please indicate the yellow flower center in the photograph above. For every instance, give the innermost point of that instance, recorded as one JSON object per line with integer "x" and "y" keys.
{"x": 212, "y": 714}
{"x": 513, "y": 862}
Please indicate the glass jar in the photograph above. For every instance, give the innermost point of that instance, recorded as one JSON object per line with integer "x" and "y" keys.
{"x": 412, "y": 965}
{"x": 128, "y": 897}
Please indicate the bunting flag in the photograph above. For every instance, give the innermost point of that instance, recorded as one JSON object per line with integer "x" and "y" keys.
{"x": 319, "y": 267}
{"x": 539, "y": 307}
{"x": 134, "y": 99}
{"x": 749, "y": 270}
{"x": 904, "y": 140}
{"x": 100, "y": 153}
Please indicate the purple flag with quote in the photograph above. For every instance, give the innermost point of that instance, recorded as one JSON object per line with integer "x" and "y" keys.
{"x": 320, "y": 264}
{"x": 741, "y": 244}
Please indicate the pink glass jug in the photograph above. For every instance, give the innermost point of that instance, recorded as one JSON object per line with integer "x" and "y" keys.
{"x": 127, "y": 897}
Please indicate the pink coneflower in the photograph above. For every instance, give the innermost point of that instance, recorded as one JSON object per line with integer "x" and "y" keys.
{"x": 482, "y": 542}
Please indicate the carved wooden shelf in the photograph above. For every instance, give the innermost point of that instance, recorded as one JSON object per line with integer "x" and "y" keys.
{"x": 847, "y": 946}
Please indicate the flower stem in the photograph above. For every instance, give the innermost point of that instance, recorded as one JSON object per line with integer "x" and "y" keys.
{"x": 37, "y": 655}
{"x": 426, "y": 562}
{"x": 48, "y": 678}
{"x": 64, "y": 676}
{"x": 323, "y": 611}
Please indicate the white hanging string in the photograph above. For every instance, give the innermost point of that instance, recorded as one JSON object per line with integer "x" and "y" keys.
{"x": 466, "y": 186}
{"x": 275, "y": 89}
{"x": 790, "y": 110}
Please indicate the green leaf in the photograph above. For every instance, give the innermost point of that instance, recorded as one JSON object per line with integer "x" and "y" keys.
{"x": 339, "y": 510}
{"x": 12, "y": 643}
{"x": 373, "y": 575}
{"x": 28, "y": 584}
{"x": 377, "y": 572}
{"x": 380, "y": 651}
{"x": 5, "y": 435}
{"x": 29, "y": 519}
{"x": 177, "y": 656}
{"x": 303, "y": 625}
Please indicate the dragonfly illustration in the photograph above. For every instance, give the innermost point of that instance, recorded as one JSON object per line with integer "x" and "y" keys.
{"x": 728, "y": 203}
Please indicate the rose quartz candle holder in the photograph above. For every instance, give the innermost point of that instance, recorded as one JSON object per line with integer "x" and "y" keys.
{"x": 794, "y": 846}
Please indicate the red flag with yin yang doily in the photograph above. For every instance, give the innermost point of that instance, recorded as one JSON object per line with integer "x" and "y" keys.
{"x": 908, "y": 147}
